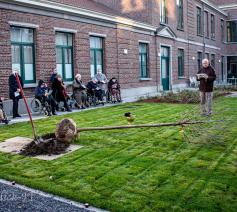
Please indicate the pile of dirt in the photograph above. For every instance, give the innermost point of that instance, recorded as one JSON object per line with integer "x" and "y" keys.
{"x": 55, "y": 143}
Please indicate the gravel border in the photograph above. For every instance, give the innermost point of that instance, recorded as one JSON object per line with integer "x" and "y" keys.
{"x": 15, "y": 197}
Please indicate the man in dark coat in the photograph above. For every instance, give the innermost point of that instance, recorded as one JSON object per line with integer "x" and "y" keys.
{"x": 206, "y": 76}
{"x": 14, "y": 92}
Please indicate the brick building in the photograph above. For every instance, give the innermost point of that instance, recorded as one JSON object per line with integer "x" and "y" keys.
{"x": 149, "y": 45}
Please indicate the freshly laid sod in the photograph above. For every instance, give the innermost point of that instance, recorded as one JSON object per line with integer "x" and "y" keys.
{"x": 138, "y": 169}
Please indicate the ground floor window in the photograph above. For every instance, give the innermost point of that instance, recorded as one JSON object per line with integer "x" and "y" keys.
{"x": 96, "y": 55}
{"x": 143, "y": 60}
{"x": 23, "y": 53}
{"x": 64, "y": 55}
{"x": 232, "y": 67}
{"x": 213, "y": 58}
{"x": 199, "y": 60}
{"x": 180, "y": 63}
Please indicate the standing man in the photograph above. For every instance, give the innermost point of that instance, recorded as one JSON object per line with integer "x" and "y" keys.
{"x": 206, "y": 76}
{"x": 14, "y": 92}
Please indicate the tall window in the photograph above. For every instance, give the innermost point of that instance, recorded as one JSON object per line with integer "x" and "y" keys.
{"x": 199, "y": 60}
{"x": 199, "y": 21}
{"x": 180, "y": 63}
{"x": 96, "y": 55}
{"x": 163, "y": 12}
{"x": 222, "y": 67}
{"x": 22, "y": 50}
{"x": 213, "y": 33}
{"x": 64, "y": 55}
{"x": 143, "y": 60}
{"x": 180, "y": 14}
{"x": 232, "y": 31}
{"x": 222, "y": 30}
{"x": 213, "y": 60}
{"x": 206, "y": 22}
{"x": 207, "y": 56}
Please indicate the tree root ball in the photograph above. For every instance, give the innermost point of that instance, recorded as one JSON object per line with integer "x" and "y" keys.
{"x": 66, "y": 131}
{"x": 55, "y": 143}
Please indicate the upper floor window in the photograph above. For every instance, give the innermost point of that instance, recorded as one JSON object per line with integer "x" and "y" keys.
{"x": 213, "y": 30}
{"x": 23, "y": 53}
{"x": 232, "y": 31}
{"x": 222, "y": 30}
{"x": 180, "y": 63}
{"x": 206, "y": 23}
{"x": 64, "y": 55}
{"x": 163, "y": 12}
{"x": 96, "y": 55}
{"x": 143, "y": 60}
{"x": 180, "y": 14}
{"x": 207, "y": 56}
{"x": 199, "y": 21}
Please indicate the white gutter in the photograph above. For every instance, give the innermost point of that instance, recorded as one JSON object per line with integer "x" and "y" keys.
{"x": 228, "y": 7}
{"x": 53, "y": 6}
{"x": 218, "y": 9}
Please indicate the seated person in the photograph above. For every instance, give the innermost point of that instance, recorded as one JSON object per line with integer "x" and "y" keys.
{"x": 94, "y": 89}
{"x": 3, "y": 118}
{"x": 102, "y": 81}
{"x": 42, "y": 93}
{"x": 79, "y": 92}
{"x": 114, "y": 89}
{"x": 59, "y": 92}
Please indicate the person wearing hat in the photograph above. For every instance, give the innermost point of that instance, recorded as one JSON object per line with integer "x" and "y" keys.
{"x": 42, "y": 93}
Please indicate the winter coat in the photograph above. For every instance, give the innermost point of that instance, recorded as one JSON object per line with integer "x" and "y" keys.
{"x": 13, "y": 86}
{"x": 78, "y": 86}
{"x": 100, "y": 78}
{"x": 206, "y": 85}
{"x": 59, "y": 91}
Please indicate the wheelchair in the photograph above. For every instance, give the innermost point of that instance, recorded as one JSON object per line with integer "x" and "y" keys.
{"x": 95, "y": 97}
{"x": 38, "y": 107}
{"x": 5, "y": 120}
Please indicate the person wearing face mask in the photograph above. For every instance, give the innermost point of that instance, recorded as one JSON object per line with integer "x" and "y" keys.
{"x": 79, "y": 92}
{"x": 14, "y": 91}
{"x": 206, "y": 76}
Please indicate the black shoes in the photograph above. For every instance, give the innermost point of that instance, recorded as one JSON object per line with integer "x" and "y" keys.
{"x": 16, "y": 116}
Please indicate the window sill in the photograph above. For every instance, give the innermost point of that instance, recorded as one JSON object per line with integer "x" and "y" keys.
{"x": 30, "y": 85}
{"x": 180, "y": 29}
{"x": 145, "y": 79}
{"x": 182, "y": 78}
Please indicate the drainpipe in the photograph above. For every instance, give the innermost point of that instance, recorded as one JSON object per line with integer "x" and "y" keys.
{"x": 203, "y": 25}
{"x": 156, "y": 53}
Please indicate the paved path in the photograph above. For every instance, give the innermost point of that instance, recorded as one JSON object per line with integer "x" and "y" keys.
{"x": 233, "y": 94}
{"x": 25, "y": 118}
{"x": 23, "y": 199}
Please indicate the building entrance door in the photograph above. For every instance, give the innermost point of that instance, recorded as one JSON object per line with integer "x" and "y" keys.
{"x": 165, "y": 67}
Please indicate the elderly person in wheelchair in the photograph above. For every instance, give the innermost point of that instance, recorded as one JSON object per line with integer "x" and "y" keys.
{"x": 44, "y": 96}
{"x": 79, "y": 92}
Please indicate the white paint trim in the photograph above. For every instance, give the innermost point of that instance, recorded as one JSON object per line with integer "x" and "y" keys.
{"x": 218, "y": 9}
{"x": 228, "y": 7}
{"x": 97, "y": 34}
{"x": 58, "y": 29}
{"x": 63, "y": 8}
{"x": 32, "y": 85}
{"x": 22, "y": 24}
{"x": 144, "y": 41}
{"x": 196, "y": 43}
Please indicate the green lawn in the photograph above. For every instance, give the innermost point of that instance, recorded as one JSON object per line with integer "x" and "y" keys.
{"x": 139, "y": 169}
